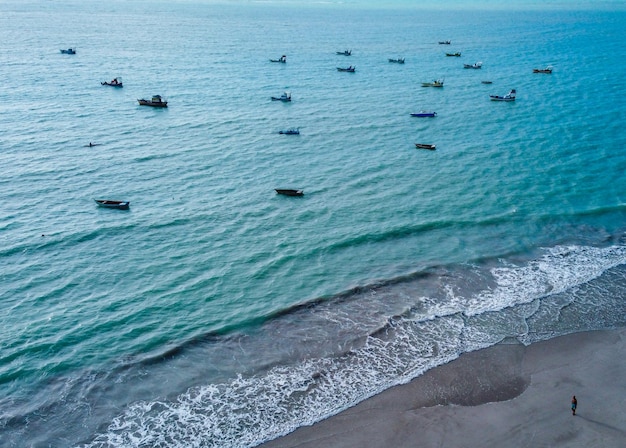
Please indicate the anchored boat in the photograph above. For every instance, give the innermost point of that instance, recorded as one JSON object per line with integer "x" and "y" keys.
{"x": 156, "y": 101}
{"x": 289, "y": 192}
{"x": 508, "y": 97}
{"x": 119, "y": 205}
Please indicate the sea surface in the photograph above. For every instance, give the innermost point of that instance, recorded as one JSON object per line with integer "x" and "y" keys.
{"x": 216, "y": 313}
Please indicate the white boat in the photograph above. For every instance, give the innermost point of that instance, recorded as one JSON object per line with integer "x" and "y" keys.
{"x": 475, "y": 65}
{"x": 508, "y": 97}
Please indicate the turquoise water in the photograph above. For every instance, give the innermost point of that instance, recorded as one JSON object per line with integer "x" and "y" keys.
{"x": 217, "y": 313}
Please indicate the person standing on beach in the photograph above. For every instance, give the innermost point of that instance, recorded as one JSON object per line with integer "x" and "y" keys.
{"x": 574, "y": 404}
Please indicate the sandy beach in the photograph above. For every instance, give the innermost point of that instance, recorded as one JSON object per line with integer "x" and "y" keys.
{"x": 508, "y": 395}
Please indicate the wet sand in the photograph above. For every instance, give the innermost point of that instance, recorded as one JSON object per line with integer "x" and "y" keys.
{"x": 504, "y": 396}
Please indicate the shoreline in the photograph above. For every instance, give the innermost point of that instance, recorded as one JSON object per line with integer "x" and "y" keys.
{"x": 505, "y": 395}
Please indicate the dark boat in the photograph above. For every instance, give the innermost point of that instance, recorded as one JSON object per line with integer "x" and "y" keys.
{"x": 444, "y": 42}
{"x": 508, "y": 97}
{"x": 156, "y": 101}
{"x": 547, "y": 70}
{"x": 350, "y": 69}
{"x": 486, "y": 82}
{"x": 91, "y": 145}
{"x": 69, "y": 51}
{"x": 119, "y": 205}
{"x": 425, "y": 146}
{"x": 457, "y": 54}
{"x": 285, "y": 97}
{"x": 289, "y": 192}
{"x": 115, "y": 82}
{"x": 293, "y": 131}
{"x": 397, "y": 61}
{"x": 282, "y": 59}
{"x": 435, "y": 83}
{"x": 424, "y": 113}
{"x": 345, "y": 53}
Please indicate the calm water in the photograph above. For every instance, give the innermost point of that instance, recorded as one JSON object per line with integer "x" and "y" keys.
{"x": 215, "y": 313}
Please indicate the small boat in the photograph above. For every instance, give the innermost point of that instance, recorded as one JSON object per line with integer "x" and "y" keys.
{"x": 486, "y": 82}
{"x": 345, "y": 53}
{"x": 457, "y": 54}
{"x": 91, "y": 145}
{"x": 289, "y": 192}
{"x": 444, "y": 42}
{"x": 282, "y": 59}
{"x": 156, "y": 101}
{"x": 119, "y": 205}
{"x": 435, "y": 83}
{"x": 475, "y": 65}
{"x": 425, "y": 146}
{"x": 285, "y": 97}
{"x": 508, "y": 97}
{"x": 397, "y": 61}
{"x": 115, "y": 82}
{"x": 350, "y": 69}
{"x": 69, "y": 51}
{"x": 424, "y": 113}
{"x": 547, "y": 70}
{"x": 292, "y": 131}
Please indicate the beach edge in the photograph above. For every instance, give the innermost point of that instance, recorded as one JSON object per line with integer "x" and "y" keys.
{"x": 504, "y": 395}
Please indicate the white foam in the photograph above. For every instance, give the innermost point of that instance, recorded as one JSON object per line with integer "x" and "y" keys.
{"x": 561, "y": 268}
{"x": 250, "y": 410}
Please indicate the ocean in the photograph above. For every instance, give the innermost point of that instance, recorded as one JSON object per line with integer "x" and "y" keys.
{"x": 216, "y": 313}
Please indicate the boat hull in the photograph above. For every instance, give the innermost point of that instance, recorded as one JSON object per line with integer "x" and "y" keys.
{"x": 506, "y": 98}
{"x": 501, "y": 98}
{"x": 425, "y": 146}
{"x": 424, "y": 114}
{"x": 152, "y": 103}
{"x": 117, "y": 205}
{"x": 289, "y": 192}
{"x": 119, "y": 84}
